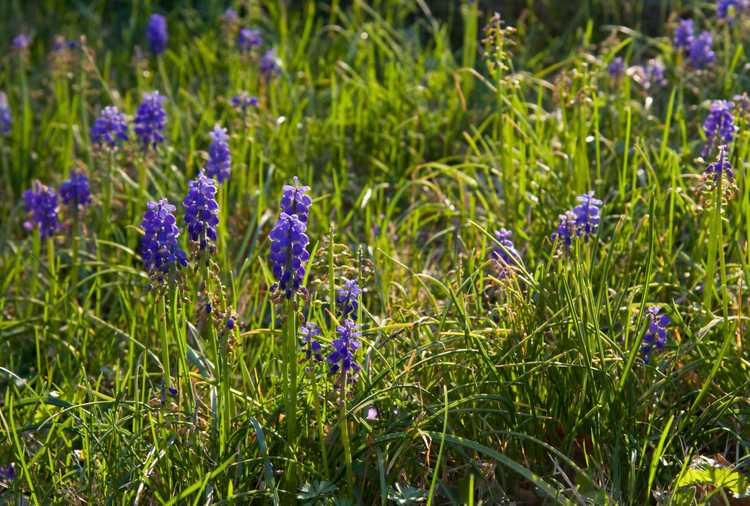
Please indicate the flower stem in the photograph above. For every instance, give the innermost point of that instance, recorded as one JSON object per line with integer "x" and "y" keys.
{"x": 290, "y": 350}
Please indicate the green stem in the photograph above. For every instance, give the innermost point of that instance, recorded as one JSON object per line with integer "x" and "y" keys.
{"x": 162, "y": 315}
{"x": 290, "y": 352}
{"x": 344, "y": 427}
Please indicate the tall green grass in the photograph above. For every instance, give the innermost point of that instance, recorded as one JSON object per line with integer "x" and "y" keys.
{"x": 530, "y": 390}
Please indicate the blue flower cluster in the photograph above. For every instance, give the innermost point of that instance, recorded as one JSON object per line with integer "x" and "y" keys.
{"x": 75, "y": 191}
{"x": 698, "y": 49}
{"x": 156, "y": 33}
{"x": 347, "y": 299}
{"x": 654, "y": 74}
{"x": 289, "y": 254}
{"x": 159, "y": 247}
{"x": 243, "y": 101}
{"x": 294, "y": 200}
{"x": 21, "y": 41}
{"x": 616, "y": 67}
{"x": 311, "y": 346}
{"x": 110, "y": 128}
{"x": 683, "y": 35}
{"x": 289, "y": 239}
{"x": 719, "y": 124}
{"x": 504, "y": 254}
{"x": 6, "y": 118}
{"x": 7, "y": 473}
{"x": 700, "y": 53}
{"x": 730, "y": 9}
{"x": 587, "y": 214}
{"x": 201, "y": 210}
{"x": 721, "y": 166}
{"x": 41, "y": 204}
{"x": 656, "y": 334}
{"x": 581, "y": 221}
{"x": 62, "y": 44}
{"x": 219, "y": 157}
{"x": 342, "y": 360}
{"x": 270, "y": 63}
{"x": 248, "y": 39}
{"x": 150, "y": 119}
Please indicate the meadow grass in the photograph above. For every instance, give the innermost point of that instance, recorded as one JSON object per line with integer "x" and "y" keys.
{"x": 477, "y": 386}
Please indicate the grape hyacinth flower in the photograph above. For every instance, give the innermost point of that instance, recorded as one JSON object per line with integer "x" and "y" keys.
{"x": 729, "y": 9}
{"x": 110, "y": 128}
{"x": 248, "y": 39}
{"x": 616, "y": 68}
{"x": 159, "y": 247}
{"x": 683, "y": 35}
{"x": 347, "y": 299}
{"x": 566, "y": 229}
{"x": 156, "y": 33}
{"x": 61, "y": 44}
{"x": 6, "y": 118}
{"x": 201, "y": 210}
{"x": 21, "y": 41}
{"x": 230, "y": 16}
{"x": 270, "y": 64}
{"x": 295, "y": 201}
{"x": 243, "y": 101}
{"x": 150, "y": 119}
{"x": 7, "y": 473}
{"x": 655, "y": 73}
{"x": 289, "y": 254}
{"x": 587, "y": 214}
{"x": 41, "y": 204}
{"x": 700, "y": 53}
{"x": 582, "y": 220}
{"x": 75, "y": 191}
{"x": 721, "y": 166}
{"x": 505, "y": 252}
{"x": 309, "y": 332}
{"x": 719, "y": 124}
{"x": 656, "y": 334}
{"x": 219, "y": 157}
{"x": 342, "y": 360}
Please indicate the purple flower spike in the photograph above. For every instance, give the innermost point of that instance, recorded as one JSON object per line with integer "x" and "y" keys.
{"x": 201, "y": 210}
{"x": 6, "y": 118}
{"x": 729, "y": 9}
{"x": 566, "y": 229}
{"x": 110, "y": 128}
{"x": 295, "y": 201}
{"x": 587, "y": 214}
{"x": 721, "y": 166}
{"x": 150, "y": 119}
{"x": 683, "y": 35}
{"x": 347, "y": 299}
{"x": 719, "y": 124}
{"x": 75, "y": 191}
{"x": 616, "y": 68}
{"x": 656, "y": 334}
{"x": 159, "y": 247}
{"x": 309, "y": 331}
{"x": 21, "y": 41}
{"x": 342, "y": 359}
{"x": 248, "y": 39}
{"x": 243, "y": 101}
{"x": 270, "y": 64}
{"x": 219, "y": 163}
{"x": 289, "y": 254}
{"x": 156, "y": 33}
{"x": 655, "y": 74}
{"x": 700, "y": 53}
{"x": 41, "y": 204}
